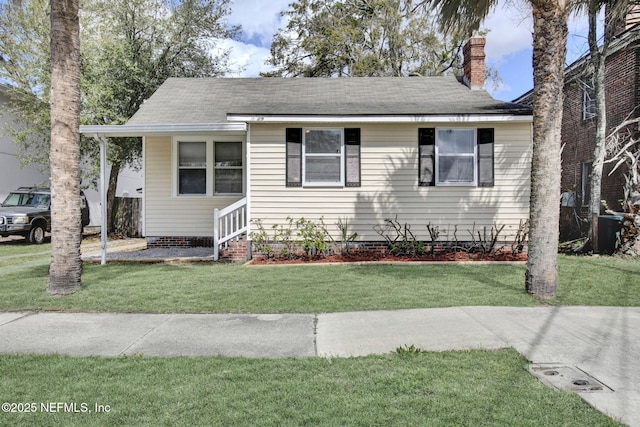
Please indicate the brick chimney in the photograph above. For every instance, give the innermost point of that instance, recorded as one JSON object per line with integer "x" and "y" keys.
{"x": 473, "y": 62}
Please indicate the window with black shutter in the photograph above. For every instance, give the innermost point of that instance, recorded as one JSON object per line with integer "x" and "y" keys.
{"x": 458, "y": 157}
{"x": 323, "y": 157}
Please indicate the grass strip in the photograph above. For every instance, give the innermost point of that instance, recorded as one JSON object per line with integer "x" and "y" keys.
{"x": 479, "y": 388}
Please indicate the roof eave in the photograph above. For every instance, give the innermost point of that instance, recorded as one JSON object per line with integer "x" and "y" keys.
{"x": 454, "y": 118}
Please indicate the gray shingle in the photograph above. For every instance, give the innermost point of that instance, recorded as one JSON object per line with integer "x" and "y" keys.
{"x": 209, "y": 100}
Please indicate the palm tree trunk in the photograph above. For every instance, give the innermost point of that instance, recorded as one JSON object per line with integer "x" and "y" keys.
{"x": 549, "y": 53}
{"x": 66, "y": 266}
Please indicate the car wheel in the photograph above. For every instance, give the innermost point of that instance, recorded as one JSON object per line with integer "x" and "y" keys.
{"x": 36, "y": 235}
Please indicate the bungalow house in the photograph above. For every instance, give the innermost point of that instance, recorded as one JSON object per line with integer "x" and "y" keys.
{"x": 622, "y": 88}
{"x": 433, "y": 151}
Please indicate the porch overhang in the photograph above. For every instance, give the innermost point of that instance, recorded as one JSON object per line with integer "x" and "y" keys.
{"x": 122, "y": 131}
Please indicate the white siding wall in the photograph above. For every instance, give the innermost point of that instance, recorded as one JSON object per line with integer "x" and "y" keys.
{"x": 168, "y": 215}
{"x": 12, "y": 174}
{"x": 389, "y": 158}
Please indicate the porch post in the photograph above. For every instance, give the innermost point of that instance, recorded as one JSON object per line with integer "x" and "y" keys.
{"x": 216, "y": 234}
{"x": 103, "y": 198}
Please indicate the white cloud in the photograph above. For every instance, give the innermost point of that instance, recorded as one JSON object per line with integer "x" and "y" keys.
{"x": 510, "y": 27}
{"x": 500, "y": 88}
{"x": 260, "y": 19}
{"x": 246, "y": 59}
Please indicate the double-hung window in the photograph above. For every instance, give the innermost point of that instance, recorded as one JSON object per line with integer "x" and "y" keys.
{"x": 206, "y": 167}
{"x": 322, "y": 153}
{"x": 192, "y": 167}
{"x": 455, "y": 157}
{"x": 322, "y": 157}
{"x": 227, "y": 174}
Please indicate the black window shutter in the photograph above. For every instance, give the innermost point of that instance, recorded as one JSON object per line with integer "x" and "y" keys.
{"x": 426, "y": 156}
{"x": 294, "y": 157}
{"x": 352, "y": 157}
{"x": 485, "y": 157}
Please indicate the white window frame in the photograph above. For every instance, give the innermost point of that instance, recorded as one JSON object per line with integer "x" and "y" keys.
{"x": 177, "y": 167}
{"x": 306, "y": 183}
{"x": 474, "y": 156}
{"x": 210, "y": 165}
{"x": 215, "y": 168}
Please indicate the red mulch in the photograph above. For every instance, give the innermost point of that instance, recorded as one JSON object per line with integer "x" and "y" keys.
{"x": 377, "y": 256}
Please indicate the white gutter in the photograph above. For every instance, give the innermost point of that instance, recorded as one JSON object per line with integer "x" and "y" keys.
{"x": 168, "y": 129}
{"x": 378, "y": 119}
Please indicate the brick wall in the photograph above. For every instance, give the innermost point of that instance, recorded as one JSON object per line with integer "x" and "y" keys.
{"x": 622, "y": 96}
{"x": 235, "y": 251}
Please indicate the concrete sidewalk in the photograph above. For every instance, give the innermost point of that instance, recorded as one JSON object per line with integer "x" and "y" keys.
{"x": 601, "y": 344}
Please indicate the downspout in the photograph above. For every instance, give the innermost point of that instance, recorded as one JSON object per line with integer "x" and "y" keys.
{"x": 248, "y": 192}
{"x": 103, "y": 198}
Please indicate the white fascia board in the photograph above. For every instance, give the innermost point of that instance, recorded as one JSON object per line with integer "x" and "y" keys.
{"x": 160, "y": 130}
{"x": 380, "y": 119}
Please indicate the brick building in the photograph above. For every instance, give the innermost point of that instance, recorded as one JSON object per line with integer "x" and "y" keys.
{"x": 622, "y": 74}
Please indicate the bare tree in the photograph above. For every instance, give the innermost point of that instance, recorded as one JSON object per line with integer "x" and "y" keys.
{"x": 616, "y": 10}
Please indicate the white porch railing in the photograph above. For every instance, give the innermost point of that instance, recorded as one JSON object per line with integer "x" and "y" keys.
{"x": 228, "y": 224}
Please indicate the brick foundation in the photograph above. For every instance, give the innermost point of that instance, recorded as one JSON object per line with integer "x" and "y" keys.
{"x": 380, "y": 247}
{"x": 235, "y": 250}
{"x": 179, "y": 241}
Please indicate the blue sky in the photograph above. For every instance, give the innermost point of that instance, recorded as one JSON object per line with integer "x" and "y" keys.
{"x": 508, "y": 45}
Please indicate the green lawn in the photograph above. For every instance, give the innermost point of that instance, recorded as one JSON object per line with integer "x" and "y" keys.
{"x": 479, "y": 388}
{"x": 436, "y": 389}
{"x": 227, "y": 288}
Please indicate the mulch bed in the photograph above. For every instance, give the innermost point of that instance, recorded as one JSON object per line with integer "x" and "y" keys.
{"x": 365, "y": 256}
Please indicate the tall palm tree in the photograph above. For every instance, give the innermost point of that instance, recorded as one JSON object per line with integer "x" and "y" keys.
{"x": 66, "y": 266}
{"x": 549, "y": 55}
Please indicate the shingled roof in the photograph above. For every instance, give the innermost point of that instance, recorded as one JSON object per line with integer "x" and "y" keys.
{"x": 212, "y": 100}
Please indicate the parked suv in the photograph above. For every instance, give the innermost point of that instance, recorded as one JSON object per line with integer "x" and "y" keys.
{"x": 27, "y": 212}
